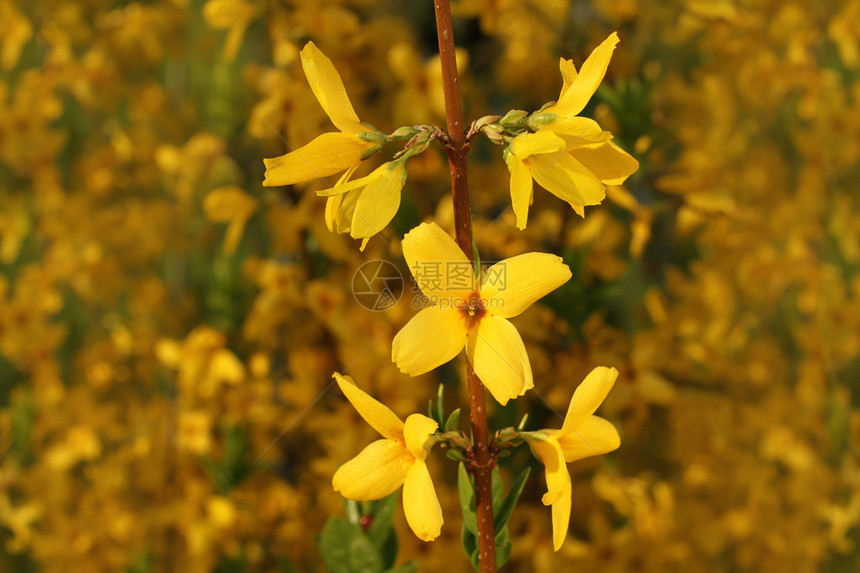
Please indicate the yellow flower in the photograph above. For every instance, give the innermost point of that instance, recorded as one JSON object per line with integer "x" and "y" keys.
{"x": 569, "y": 156}
{"x": 364, "y": 207}
{"x": 582, "y": 435}
{"x": 233, "y": 16}
{"x": 329, "y": 153}
{"x": 386, "y": 464}
{"x": 229, "y": 204}
{"x": 471, "y": 314}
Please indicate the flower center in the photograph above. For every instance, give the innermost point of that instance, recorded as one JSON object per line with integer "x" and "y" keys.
{"x": 473, "y": 309}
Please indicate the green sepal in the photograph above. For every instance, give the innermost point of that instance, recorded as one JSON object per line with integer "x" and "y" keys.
{"x": 371, "y": 151}
{"x": 538, "y": 120}
{"x": 456, "y": 455}
{"x": 405, "y": 132}
{"x": 453, "y": 421}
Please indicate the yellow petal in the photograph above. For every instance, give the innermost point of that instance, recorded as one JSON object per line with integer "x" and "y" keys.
{"x": 557, "y": 477}
{"x": 579, "y": 131}
{"x": 566, "y": 178}
{"x": 228, "y": 203}
{"x": 521, "y": 189}
{"x": 588, "y": 396}
{"x": 326, "y": 155}
{"x": 328, "y": 89}
{"x": 343, "y": 219}
{"x": 439, "y": 267}
{"x": 433, "y": 337}
{"x": 544, "y": 141}
{"x": 512, "y": 285}
{"x": 595, "y": 436}
{"x": 561, "y": 517}
{"x": 332, "y": 206}
{"x": 589, "y": 77}
{"x": 568, "y": 74}
{"x": 377, "y": 471}
{"x": 498, "y": 355}
{"x": 416, "y": 430}
{"x": 378, "y": 202}
{"x": 608, "y": 162}
{"x": 375, "y": 413}
{"x": 420, "y": 504}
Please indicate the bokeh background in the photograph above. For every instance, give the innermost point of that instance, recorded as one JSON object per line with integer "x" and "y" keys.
{"x": 168, "y": 327}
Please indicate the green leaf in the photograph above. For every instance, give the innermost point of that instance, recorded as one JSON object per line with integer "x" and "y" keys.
{"x": 380, "y": 528}
{"x": 388, "y": 549}
{"x": 430, "y": 413}
{"x": 498, "y": 489}
{"x": 440, "y": 405}
{"x": 335, "y": 541}
{"x": 453, "y": 421}
{"x": 364, "y": 557}
{"x": 467, "y": 499}
{"x": 503, "y": 553}
{"x": 501, "y": 517}
{"x": 470, "y": 545}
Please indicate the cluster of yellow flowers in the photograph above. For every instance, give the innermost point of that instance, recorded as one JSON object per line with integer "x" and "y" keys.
{"x": 169, "y": 327}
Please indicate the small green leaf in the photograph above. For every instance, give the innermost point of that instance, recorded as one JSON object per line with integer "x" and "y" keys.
{"x": 505, "y": 510}
{"x": 430, "y": 413}
{"x": 453, "y": 421}
{"x": 440, "y": 406}
{"x": 470, "y": 546}
{"x": 456, "y": 455}
{"x": 380, "y": 528}
{"x": 498, "y": 489}
{"x": 521, "y": 426}
{"x": 467, "y": 499}
{"x": 364, "y": 557}
{"x": 334, "y": 543}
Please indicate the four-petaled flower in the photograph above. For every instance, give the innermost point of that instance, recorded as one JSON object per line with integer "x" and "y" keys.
{"x": 569, "y": 156}
{"x": 329, "y": 153}
{"x": 582, "y": 435}
{"x": 386, "y": 464}
{"x": 473, "y": 314}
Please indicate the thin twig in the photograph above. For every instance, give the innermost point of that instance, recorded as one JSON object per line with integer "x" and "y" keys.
{"x": 483, "y": 463}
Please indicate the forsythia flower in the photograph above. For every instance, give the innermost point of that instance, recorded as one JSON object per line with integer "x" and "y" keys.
{"x": 364, "y": 207}
{"x": 229, "y": 204}
{"x": 233, "y": 16}
{"x": 472, "y": 314}
{"x": 329, "y": 153}
{"x": 385, "y": 465}
{"x": 582, "y": 435}
{"x": 569, "y": 156}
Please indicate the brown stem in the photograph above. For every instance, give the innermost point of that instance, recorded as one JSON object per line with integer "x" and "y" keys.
{"x": 483, "y": 464}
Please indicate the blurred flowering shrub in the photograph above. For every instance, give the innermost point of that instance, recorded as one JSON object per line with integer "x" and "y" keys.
{"x": 168, "y": 326}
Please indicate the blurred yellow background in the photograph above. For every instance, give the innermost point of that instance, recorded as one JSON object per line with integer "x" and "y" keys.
{"x": 168, "y": 327}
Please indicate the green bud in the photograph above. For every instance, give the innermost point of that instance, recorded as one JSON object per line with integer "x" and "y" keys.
{"x": 507, "y": 434}
{"x": 371, "y": 136}
{"x": 513, "y": 116}
{"x": 404, "y": 132}
{"x": 456, "y": 455}
{"x": 480, "y": 123}
{"x": 536, "y": 436}
{"x": 540, "y": 119}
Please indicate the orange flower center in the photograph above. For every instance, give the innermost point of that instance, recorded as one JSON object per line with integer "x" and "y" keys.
{"x": 472, "y": 309}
